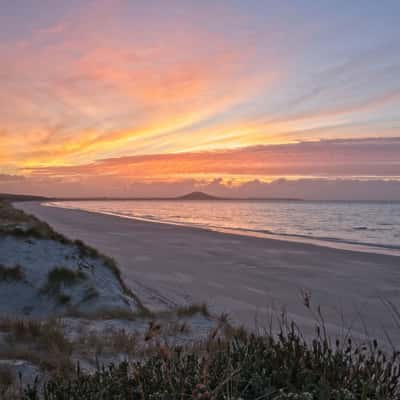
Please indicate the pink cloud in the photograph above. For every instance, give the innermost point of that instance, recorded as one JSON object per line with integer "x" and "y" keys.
{"x": 335, "y": 158}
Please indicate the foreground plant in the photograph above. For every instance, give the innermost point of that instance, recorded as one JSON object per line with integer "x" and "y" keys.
{"x": 244, "y": 367}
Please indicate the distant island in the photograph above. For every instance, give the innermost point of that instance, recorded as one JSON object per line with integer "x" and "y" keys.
{"x": 205, "y": 196}
{"x": 196, "y": 196}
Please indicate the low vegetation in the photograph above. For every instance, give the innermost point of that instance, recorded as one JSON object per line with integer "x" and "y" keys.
{"x": 8, "y": 387}
{"x": 60, "y": 277}
{"x": 17, "y": 223}
{"x": 110, "y": 314}
{"x": 91, "y": 293}
{"x": 141, "y": 313}
{"x": 6, "y": 378}
{"x": 109, "y": 343}
{"x": 244, "y": 367}
{"x": 187, "y": 311}
{"x": 229, "y": 364}
{"x": 41, "y": 342}
{"x": 11, "y": 274}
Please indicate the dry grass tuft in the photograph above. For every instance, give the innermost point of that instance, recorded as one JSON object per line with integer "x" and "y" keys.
{"x": 41, "y": 342}
{"x": 110, "y": 314}
{"x": 192, "y": 309}
{"x": 11, "y": 274}
{"x": 108, "y": 343}
{"x": 59, "y": 277}
{"x": 6, "y": 378}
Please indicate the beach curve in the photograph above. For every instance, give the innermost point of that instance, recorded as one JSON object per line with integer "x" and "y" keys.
{"x": 247, "y": 277}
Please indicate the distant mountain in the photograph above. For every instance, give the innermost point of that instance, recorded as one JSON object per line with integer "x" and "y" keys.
{"x": 205, "y": 196}
{"x": 198, "y": 196}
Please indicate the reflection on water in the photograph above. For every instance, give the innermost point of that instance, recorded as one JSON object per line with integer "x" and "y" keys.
{"x": 369, "y": 224}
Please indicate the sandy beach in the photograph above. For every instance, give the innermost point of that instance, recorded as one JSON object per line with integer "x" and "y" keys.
{"x": 244, "y": 276}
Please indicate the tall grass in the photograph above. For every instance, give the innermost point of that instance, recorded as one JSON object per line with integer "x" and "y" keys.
{"x": 41, "y": 342}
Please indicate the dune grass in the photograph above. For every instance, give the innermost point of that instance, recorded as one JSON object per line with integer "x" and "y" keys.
{"x": 6, "y": 378}
{"x": 60, "y": 277}
{"x": 41, "y": 342}
{"x": 192, "y": 309}
{"x": 8, "y": 389}
{"x": 11, "y": 274}
{"x": 230, "y": 364}
{"x": 111, "y": 314}
{"x": 246, "y": 367}
{"x": 143, "y": 313}
{"x": 91, "y": 293}
{"x": 19, "y": 224}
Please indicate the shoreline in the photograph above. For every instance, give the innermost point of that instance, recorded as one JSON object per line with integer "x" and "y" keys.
{"x": 331, "y": 243}
{"x": 250, "y": 278}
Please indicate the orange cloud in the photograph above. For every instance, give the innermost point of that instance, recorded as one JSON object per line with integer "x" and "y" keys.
{"x": 364, "y": 157}
{"x": 75, "y": 92}
{"x": 97, "y": 85}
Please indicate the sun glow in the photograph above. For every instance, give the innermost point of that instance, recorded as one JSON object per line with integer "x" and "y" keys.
{"x": 116, "y": 90}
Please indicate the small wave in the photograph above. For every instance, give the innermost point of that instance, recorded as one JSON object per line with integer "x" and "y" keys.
{"x": 320, "y": 238}
{"x": 361, "y": 240}
{"x": 148, "y": 216}
{"x": 364, "y": 228}
{"x": 245, "y": 229}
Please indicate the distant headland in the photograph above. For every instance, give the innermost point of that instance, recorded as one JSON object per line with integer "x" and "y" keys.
{"x": 21, "y": 197}
{"x": 205, "y": 196}
{"x": 195, "y": 196}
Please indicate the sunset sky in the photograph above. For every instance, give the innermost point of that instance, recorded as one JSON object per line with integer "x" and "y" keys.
{"x": 132, "y": 98}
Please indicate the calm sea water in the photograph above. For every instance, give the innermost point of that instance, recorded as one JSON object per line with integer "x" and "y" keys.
{"x": 372, "y": 225}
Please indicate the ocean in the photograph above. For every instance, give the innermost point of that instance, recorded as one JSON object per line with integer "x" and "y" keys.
{"x": 369, "y": 226}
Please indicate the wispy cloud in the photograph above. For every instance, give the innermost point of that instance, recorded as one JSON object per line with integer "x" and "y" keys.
{"x": 205, "y": 88}
{"x": 335, "y": 158}
{"x": 74, "y": 90}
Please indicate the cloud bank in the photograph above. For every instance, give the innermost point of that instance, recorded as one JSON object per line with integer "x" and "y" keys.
{"x": 307, "y": 189}
{"x": 333, "y": 158}
{"x": 102, "y": 97}
{"x": 362, "y": 169}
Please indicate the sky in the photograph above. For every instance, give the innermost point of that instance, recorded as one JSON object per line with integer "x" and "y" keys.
{"x": 247, "y": 98}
